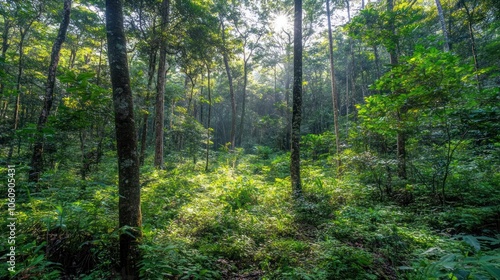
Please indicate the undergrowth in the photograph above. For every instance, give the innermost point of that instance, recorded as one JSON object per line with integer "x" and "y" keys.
{"x": 239, "y": 221}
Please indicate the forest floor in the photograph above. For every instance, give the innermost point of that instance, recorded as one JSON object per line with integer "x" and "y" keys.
{"x": 239, "y": 221}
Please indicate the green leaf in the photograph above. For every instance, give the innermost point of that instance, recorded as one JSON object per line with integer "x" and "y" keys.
{"x": 472, "y": 241}
{"x": 492, "y": 270}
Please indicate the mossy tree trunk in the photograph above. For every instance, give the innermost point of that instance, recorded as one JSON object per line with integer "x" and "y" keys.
{"x": 297, "y": 102}
{"x": 129, "y": 203}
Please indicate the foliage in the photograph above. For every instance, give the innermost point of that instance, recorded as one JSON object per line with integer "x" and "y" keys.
{"x": 237, "y": 219}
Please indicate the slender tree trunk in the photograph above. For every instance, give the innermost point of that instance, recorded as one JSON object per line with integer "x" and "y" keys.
{"x": 72, "y": 57}
{"x": 191, "y": 93}
{"x": 4, "y": 109}
{"x": 246, "y": 59}
{"x": 334, "y": 93}
{"x": 472, "y": 42}
{"x": 83, "y": 169}
{"x": 98, "y": 75}
{"x": 297, "y": 101}
{"x": 377, "y": 61}
{"x": 351, "y": 73}
{"x": 37, "y": 158}
{"x": 288, "y": 143}
{"x": 347, "y": 91}
{"x": 392, "y": 49}
{"x": 129, "y": 204}
{"x": 243, "y": 104}
{"x": 160, "y": 93}
{"x": 5, "y": 47}
{"x": 17, "y": 106}
{"x": 363, "y": 77}
{"x": 401, "y": 137}
{"x": 208, "y": 117}
{"x": 225, "y": 57}
{"x": 446, "y": 43}
{"x": 145, "y": 116}
{"x": 144, "y": 134}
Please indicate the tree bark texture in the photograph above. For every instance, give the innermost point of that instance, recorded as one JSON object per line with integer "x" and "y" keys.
{"x": 297, "y": 101}
{"x": 37, "y": 158}
{"x": 129, "y": 203}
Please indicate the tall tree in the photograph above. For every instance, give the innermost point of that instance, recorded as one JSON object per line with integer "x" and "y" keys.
{"x": 469, "y": 12}
{"x": 334, "y": 93}
{"x": 249, "y": 46}
{"x": 208, "y": 116}
{"x": 297, "y": 100}
{"x": 25, "y": 23}
{"x": 160, "y": 93}
{"x": 37, "y": 158}
{"x": 443, "y": 26}
{"x": 225, "y": 57}
{"x": 392, "y": 48}
{"x": 129, "y": 190}
{"x": 7, "y": 24}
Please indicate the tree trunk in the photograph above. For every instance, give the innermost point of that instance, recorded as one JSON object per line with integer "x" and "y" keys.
{"x": 83, "y": 169}
{"x": 5, "y": 47}
{"x": 287, "y": 96}
{"x": 208, "y": 117}
{"x": 98, "y": 75}
{"x": 225, "y": 57}
{"x": 160, "y": 93}
{"x": 297, "y": 101}
{"x": 129, "y": 190}
{"x": 17, "y": 106}
{"x": 377, "y": 61}
{"x": 350, "y": 74}
{"x": 443, "y": 26}
{"x": 334, "y": 93}
{"x": 393, "y": 60}
{"x": 145, "y": 117}
{"x": 472, "y": 42}
{"x": 243, "y": 104}
{"x": 37, "y": 158}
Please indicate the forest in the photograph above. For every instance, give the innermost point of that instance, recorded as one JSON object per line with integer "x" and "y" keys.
{"x": 250, "y": 139}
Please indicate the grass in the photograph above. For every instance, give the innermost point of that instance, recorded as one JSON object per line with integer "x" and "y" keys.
{"x": 239, "y": 221}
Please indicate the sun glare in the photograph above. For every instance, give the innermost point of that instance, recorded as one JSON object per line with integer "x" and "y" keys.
{"x": 280, "y": 23}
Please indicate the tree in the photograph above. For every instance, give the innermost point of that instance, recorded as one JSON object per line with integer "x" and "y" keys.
{"x": 297, "y": 100}
{"x": 225, "y": 56}
{"x": 129, "y": 190}
{"x": 334, "y": 94}
{"x": 37, "y": 158}
{"x": 436, "y": 90}
{"x": 446, "y": 42}
{"x": 393, "y": 60}
{"x": 27, "y": 15}
{"x": 208, "y": 116}
{"x": 249, "y": 46}
{"x": 469, "y": 11}
{"x": 160, "y": 92}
